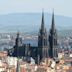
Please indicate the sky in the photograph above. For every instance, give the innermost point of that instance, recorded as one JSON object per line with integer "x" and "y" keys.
{"x": 61, "y": 7}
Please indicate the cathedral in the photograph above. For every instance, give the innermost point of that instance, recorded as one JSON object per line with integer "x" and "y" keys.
{"x": 47, "y": 44}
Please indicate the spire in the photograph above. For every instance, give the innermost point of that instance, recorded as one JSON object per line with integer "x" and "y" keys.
{"x": 18, "y": 41}
{"x": 18, "y": 67}
{"x": 53, "y": 39}
{"x": 42, "y": 23}
{"x": 53, "y": 23}
{"x": 18, "y": 34}
{"x": 42, "y": 42}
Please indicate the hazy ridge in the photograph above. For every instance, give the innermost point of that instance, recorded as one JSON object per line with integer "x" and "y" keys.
{"x": 30, "y": 22}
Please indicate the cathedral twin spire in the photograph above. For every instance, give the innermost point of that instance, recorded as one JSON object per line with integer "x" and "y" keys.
{"x": 43, "y": 39}
{"x": 52, "y": 25}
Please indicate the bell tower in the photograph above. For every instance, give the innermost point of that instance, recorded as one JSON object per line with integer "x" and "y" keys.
{"x": 42, "y": 41}
{"x": 53, "y": 49}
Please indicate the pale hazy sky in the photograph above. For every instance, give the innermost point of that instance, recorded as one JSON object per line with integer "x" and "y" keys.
{"x": 61, "y": 7}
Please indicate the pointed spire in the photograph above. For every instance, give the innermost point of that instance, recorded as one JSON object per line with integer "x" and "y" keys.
{"x": 18, "y": 41}
{"x": 42, "y": 23}
{"x": 18, "y": 67}
{"x": 18, "y": 34}
{"x": 53, "y": 39}
{"x": 53, "y": 23}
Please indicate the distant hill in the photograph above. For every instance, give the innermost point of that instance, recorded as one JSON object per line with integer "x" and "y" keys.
{"x": 30, "y": 22}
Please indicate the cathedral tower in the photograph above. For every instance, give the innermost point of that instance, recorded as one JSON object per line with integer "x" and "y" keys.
{"x": 42, "y": 41}
{"x": 18, "y": 41}
{"x": 18, "y": 44}
{"x": 53, "y": 49}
